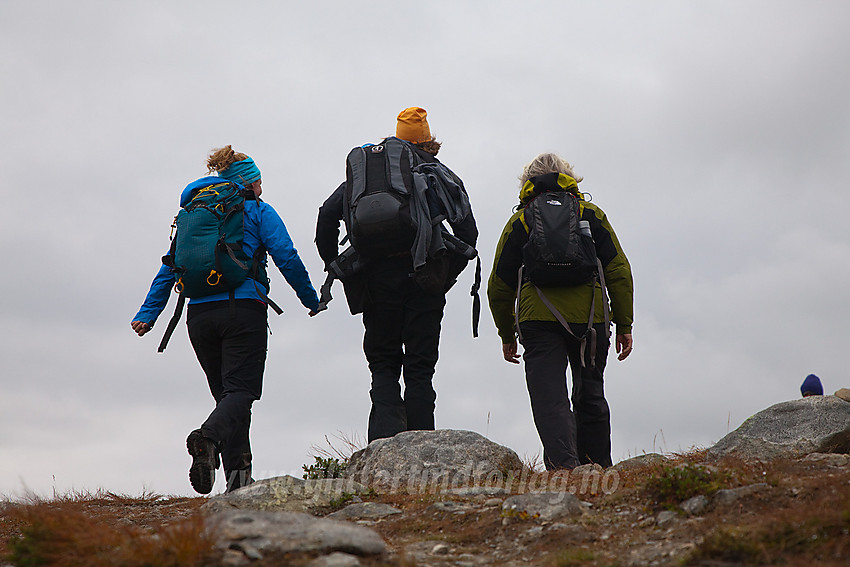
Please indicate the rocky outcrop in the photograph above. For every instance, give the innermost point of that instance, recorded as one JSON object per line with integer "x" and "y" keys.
{"x": 828, "y": 459}
{"x": 422, "y": 461}
{"x": 545, "y": 506}
{"x": 251, "y": 535}
{"x": 287, "y": 494}
{"x": 817, "y": 424}
{"x": 641, "y": 461}
{"x": 727, "y": 496}
{"x": 365, "y": 511}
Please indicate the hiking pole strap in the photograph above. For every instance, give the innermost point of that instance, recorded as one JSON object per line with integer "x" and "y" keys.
{"x": 172, "y": 324}
{"x": 325, "y": 291}
{"x": 476, "y": 300}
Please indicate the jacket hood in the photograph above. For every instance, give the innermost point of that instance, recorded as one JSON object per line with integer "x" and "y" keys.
{"x": 192, "y": 188}
{"x": 546, "y": 183}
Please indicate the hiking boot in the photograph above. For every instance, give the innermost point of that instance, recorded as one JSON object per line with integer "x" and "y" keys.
{"x": 205, "y": 461}
{"x": 238, "y": 479}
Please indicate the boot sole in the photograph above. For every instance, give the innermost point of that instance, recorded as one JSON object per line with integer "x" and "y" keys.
{"x": 204, "y": 464}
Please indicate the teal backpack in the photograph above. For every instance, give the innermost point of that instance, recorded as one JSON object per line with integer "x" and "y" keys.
{"x": 206, "y": 253}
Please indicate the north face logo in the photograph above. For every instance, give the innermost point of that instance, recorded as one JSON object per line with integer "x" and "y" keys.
{"x": 554, "y": 202}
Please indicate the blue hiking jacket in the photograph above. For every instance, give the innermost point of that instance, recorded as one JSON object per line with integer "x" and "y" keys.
{"x": 262, "y": 226}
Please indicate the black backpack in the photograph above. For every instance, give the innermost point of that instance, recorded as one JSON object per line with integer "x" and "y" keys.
{"x": 395, "y": 203}
{"x": 560, "y": 250}
{"x": 378, "y": 189}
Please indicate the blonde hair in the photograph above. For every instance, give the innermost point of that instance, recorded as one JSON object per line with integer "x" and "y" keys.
{"x": 547, "y": 163}
{"x": 222, "y": 158}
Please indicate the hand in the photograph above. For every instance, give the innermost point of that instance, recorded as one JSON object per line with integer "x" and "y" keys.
{"x": 624, "y": 345}
{"x": 312, "y": 313}
{"x": 509, "y": 351}
{"x": 140, "y": 327}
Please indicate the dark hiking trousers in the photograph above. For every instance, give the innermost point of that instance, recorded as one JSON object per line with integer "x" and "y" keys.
{"x": 401, "y": 339}
{"x": 570, "y": 437}
{"x": 230, "y": 343}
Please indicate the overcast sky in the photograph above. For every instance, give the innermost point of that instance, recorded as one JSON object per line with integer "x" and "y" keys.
{"x": 715, "y": 135}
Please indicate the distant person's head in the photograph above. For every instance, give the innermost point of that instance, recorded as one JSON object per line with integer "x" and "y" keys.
{"x": 811, "y": 386}
{"x": 547, "y": 163}
{"x": 237, "y": 167}
{"x": 412, "y": 126}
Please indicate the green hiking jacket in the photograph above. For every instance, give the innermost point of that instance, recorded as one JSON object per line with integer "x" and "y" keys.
{"x": 572, "y": 302}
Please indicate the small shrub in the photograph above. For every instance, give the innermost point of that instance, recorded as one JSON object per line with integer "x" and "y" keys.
{"x": 344, "y": 499}
{"x": 324, "y": 467}
{"x": 671, "y": 485}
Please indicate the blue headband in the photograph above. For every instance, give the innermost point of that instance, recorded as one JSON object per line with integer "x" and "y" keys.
{"x": 243, "y": 172}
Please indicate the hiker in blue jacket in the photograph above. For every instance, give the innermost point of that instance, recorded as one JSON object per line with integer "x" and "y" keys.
{"x": 229, "y": 334}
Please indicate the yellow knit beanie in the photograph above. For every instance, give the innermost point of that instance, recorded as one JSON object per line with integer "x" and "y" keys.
{"x": 412, "y": 125}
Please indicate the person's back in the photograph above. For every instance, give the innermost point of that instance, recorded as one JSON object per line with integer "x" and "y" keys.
{"x": 228, "y": 329}
{"x": 562, "y": 325}
{"x": 401, "y": 301}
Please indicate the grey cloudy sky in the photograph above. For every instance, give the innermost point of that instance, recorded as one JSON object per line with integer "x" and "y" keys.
{"x": 715, "y": 135}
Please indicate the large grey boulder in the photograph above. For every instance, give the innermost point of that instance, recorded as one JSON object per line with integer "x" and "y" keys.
{"x": 431, "y": 461}
{"x": 260, "y": 535}
{"x": 816, "y": 424}
{"x": 287, "y": 494}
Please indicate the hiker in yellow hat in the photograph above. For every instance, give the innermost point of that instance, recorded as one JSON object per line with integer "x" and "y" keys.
{"x": 407, "y": 262}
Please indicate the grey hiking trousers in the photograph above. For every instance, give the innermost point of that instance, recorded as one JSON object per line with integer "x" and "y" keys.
{"x": 570, "y": 436}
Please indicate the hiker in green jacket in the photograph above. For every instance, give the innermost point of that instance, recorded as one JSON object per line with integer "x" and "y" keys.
{"x": 582, "y": 435}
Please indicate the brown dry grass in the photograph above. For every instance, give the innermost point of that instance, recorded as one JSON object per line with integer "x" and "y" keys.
{"x": 100, "y": 529}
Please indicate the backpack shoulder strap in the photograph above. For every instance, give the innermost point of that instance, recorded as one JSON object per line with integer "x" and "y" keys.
{"x": 356, "y": 172}
{"x": 395, "y": 153}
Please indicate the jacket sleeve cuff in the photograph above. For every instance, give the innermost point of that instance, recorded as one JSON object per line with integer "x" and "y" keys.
{"x": 507, "y": 338}
{"x": 624, "y": 329}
